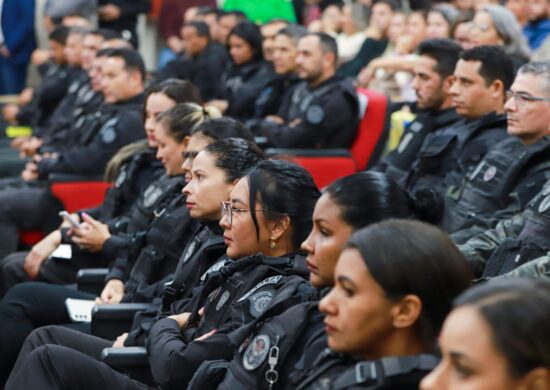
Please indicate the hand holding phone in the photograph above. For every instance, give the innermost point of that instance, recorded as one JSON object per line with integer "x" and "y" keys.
{"x": 67, "y": 217}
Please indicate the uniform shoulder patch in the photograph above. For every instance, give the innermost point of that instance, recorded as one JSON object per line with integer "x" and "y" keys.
{"x": 108, "y": 131}
{"x": 315, "y": 114}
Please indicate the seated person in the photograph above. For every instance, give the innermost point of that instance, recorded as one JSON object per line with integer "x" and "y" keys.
{"x": 495, "y": 338}
{"x": 323, "y": 110}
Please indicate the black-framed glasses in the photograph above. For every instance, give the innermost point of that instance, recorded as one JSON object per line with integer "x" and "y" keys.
{"x": 521, "y": 98}
{"x": 228, "y": 211}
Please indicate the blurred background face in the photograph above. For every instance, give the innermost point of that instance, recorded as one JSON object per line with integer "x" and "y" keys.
{"x": 381, "y": 17}
{"x": 239, "y": 50}
{"x": 73, "y": 50}
{"x": 397, "y": 26}
{"x": 90, "y": 45}
{"x": 284, "y": 55}
{"x": 416, "y": 27}
{"x": 309, "y": 58}
{"x": 58, "y": 52}
{"x": 225, "y": 25}
{"x": 519, "y": 9}
{"x": 95, "y": 73}
{"x": 331, "y": 18}
{"x": 156, "y": 104}
{"x": 427, "y": 83}
{"x": 483, "y": 31}
{"x": 537, "y": 9}
{"x": 115, "y": 79}
{"x": 462, "y": 35}
{"x": 197, "y": 142}
{"x": 438, "y": 27}
{"x": 269, "y": 32}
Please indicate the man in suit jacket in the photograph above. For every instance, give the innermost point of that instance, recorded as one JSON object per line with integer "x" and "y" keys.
{"x": 17, "y": 42}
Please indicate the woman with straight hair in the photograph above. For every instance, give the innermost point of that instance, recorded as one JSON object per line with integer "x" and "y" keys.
{"x": 496, "y": 337}
{"x": 394, "y": 285}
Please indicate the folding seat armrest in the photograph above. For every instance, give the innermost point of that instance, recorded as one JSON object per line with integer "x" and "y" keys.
{"x": 91, "y": 280}
{"x": 110, "y": 321}
{"x": 308, "y": 152}
{"x": 125, "y": 357}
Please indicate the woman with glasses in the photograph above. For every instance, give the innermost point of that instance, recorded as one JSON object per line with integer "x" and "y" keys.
{"x": 275, "y": 203}
{"x": 496, "y": 337}
{"x": 138, "y": 278}
{"x": 347, "y": 205}
{"x": 496, "y": 25}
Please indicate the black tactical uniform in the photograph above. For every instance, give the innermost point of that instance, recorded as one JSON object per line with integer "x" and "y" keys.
{"x": 514, "y": 241}
{"x": 200, "y": 257}
{"x": 31, "y": 206}
{"x": 270, "y": 352}
{"x": 241, "y": 86}
{"x": 338, "y": 372}
{"x": 508, "y": 177}
{"x": 447, "y": 156}
{"x": 205, "y": 71}
{"x": 400, "y": 161}
{"x": 27, "y": 306}
{"x": 46, "y": 97}
{"x": 127, "y": 22}
{"x": 235, "y": 295}
{"x": 134, "y": 175}
{"x": 324, "y": 117}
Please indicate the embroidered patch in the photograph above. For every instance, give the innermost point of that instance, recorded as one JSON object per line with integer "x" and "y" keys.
{"x": 315, "y": 115}
{"x": 271, "y": 280}
{"x": 544, "y": 205}
{"x": 152, "y": 194}
{"x": 260, "y": 301}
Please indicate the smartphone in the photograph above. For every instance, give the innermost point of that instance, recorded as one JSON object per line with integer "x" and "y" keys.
{"x": 67, "y": 217}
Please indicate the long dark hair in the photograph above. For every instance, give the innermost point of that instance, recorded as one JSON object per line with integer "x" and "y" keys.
{"x": 283, "y": 188}
{"x": 412, "y": 257}
{"x": 368, "y": 197}
{"x": 252, "y": 35}
{"x": 518, "y": 314}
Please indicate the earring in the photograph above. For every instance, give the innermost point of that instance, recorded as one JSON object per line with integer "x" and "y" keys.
{"x": 272, "y": 244}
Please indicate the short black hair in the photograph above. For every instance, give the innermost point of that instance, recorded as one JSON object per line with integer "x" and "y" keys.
{"x": 59, "y": 35}
{"x": 206, "y": 10}
{"x": 328, "y": 44}
{"x": 235, "y": 156}
{"x": 201, "y": 28}
{"x": 132, "y": 60}
{"x": 107, "y": 33}
{"x": 495, "y": 64}
{"x": 104, "y": 52}
{"x": 443, "y": 51}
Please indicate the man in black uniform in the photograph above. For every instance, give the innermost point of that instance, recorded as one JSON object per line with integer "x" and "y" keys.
{"x": 29, "y": 204}
{"x": 323, "y": 110}
{"x": 203, "y": 62}
{"x": 433, "y": 78}
{"x": 515, "y": 169}
{"x": 284, "y": 51}
{"x": 121, "y": 15}
{"x": 482, "y": 76}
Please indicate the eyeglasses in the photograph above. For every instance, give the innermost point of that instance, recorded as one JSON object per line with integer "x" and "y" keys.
{"x": 228, "y": 211}
{"x": 480, "y": 26}
{"x": 521, "y": 98}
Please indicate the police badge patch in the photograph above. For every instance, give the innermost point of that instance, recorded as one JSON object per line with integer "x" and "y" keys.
{"x": 108, "y": 133}
{"x": 256, "y": 352}
{"x": 190, "y": 250}
{"x": 544, "y": 205}
{"x": 152, "y": 194}
{"x": 315, "y": 115}
{"x": 490, "y": 173}
{"x": 259, "y": 302}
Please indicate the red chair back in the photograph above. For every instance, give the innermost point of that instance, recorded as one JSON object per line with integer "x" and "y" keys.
{"x": 79, "y": 195}
{"x": 371, "y": 126}
{"x": 325, "y": 170}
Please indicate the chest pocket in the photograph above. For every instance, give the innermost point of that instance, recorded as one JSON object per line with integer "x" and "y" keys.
{"x": 433, "y": 155}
